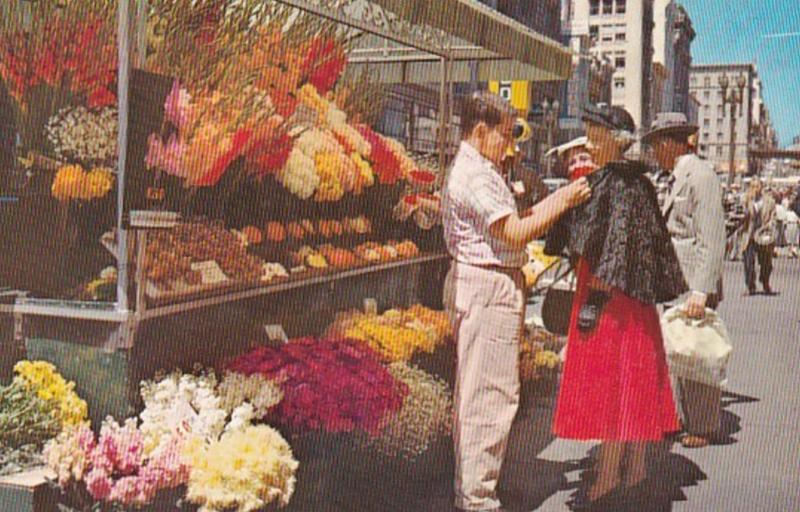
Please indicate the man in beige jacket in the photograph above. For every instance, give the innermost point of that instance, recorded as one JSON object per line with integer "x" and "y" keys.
{"x": 696, "y": 221}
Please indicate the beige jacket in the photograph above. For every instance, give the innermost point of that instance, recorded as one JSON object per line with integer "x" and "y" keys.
{"x": 696, "y": 221}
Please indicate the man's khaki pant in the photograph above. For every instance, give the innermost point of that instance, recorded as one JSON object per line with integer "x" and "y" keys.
{"x": 487, "y": 308}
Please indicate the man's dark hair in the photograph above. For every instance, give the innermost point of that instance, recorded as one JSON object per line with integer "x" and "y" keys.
{"x": 484, "y": 107}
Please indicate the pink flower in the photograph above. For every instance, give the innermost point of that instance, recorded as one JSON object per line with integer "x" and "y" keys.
{"x": 99, "y": 484}
{"x": 176, "y": 108}
{"x": 166, "y": 157}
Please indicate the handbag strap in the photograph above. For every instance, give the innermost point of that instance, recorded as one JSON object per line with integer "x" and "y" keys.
{"x": 559, "y": 277}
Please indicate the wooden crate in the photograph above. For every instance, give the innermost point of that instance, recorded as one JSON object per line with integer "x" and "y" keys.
{"x": 26, "y": 492}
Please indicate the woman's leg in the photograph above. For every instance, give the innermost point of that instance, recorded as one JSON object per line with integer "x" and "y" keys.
{"x": 608, "y": 469}
{"x": 636, "y": 467}
{"x": 749, "y": 258}
{"x": 765, "y": 262}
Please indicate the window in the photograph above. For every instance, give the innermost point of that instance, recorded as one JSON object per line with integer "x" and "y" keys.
{"x": 619, "y": 83}
{"x": 706, "y": 95}
{"x": 705, "y": 136}
{"x": 607, "y": 38}
{"x": 703, "y": 148}
{"x": 621, "y": 6}
{"x": 720, "y": 111}
{"x": 707, "y": 81}
{"x": 594, "y": 31}
{"x": 694, "y": 80}
{"x": 594, "y": 7}
{"x": 619, "y": 62}
{"x": 707, "y": 123}
{"x": 719, "y": 121}
{"x": 719, "y": 150}
{"x": 720, "y": 136}
{"x": 620, "y": 36}
{"x": 608, "y": 6}
{"x": 706, "y": 109}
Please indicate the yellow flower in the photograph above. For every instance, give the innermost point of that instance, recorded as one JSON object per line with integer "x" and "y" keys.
{"x": 42, "y": 378}
{"x": 366, "y": 178}
{"x": 328, "y": 167}
{"x": 309, "y": 96}
{"x": 246, "y": 469}
{"x": 68, "y": 183}
{"x": 99, "y": 182}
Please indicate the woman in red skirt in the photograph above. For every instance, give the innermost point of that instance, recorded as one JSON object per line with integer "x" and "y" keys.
{"x": 615, "y": 386}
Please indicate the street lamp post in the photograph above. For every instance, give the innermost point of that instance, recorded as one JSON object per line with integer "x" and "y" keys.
{"x": 735, "y": 98}
{"x": 550, "y": 112}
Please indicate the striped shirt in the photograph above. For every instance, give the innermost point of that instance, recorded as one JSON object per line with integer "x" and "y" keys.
{"x": 475, "y": 196}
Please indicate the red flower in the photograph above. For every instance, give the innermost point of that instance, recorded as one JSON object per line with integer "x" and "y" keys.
{"x": 423, "y": 177}
{"x": 100, "y": 98}
{"x": 212, "y": 177}
{"x": 384, "y": 162}
{"x": 324, "y": 64}
{"x": 270, "y": 156}
{"x": 335, "y": 385}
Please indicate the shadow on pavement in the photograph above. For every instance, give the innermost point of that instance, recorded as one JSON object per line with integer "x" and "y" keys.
{"x": 730, "y": 423}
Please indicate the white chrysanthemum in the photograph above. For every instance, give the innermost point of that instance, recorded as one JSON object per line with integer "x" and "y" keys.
{"x": 81, "y": 135}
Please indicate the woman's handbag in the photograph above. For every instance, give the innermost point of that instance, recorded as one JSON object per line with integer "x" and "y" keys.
{"x": 697, "y": 350}
{"x": 765, "y": 236}
{"x": 558, "y": 299}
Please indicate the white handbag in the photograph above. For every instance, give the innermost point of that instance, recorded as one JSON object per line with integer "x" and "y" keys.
{"x": 697, "y": 350}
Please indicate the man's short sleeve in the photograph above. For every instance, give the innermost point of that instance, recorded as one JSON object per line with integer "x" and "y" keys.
{"x": 490, "y": 200}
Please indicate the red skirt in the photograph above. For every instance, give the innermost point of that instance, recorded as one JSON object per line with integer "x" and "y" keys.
{"x": 616, "y": 384}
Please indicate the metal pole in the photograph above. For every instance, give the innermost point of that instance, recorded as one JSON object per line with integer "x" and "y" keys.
{"x": 442, "y": 116}
{"x": 731, "y": 170}
{"x": 549, "y": 125}
{"x": 125, "y": 13}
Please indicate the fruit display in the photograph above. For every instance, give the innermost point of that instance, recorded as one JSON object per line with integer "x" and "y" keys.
{"x": 171, "y": 254}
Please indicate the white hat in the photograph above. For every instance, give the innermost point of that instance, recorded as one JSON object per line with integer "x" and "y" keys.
{"x": 574, "y": 143}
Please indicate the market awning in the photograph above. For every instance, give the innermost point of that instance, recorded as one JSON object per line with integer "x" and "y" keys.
{"x": 411, "y": 36}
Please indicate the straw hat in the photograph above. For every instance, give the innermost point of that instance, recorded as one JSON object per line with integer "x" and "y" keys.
{"x": 670, "y": 124}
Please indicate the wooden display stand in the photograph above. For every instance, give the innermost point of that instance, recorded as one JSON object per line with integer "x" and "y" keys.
{"x": 26, "y": 492}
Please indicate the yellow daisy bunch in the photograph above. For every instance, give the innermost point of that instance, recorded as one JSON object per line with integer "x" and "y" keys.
{"x": 246, "y": 470}
{"x": 366, "y": 178}
{"x": 392, "y": 342}
{"x": 72, "y": 182}
{"x": 42, "y": 378}
{"x": 546, "y": 359}
{"x": 330, "y": 187}
{"x": 309, "y": 96}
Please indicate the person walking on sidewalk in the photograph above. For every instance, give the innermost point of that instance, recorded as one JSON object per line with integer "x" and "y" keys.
{"x": 758, "y": 237}
{"x": 696, "y": 222}
{"x": 484, "y": 292}
{"x": 615, "y": 386}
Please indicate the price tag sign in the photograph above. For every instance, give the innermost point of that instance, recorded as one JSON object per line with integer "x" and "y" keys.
{"x": 210, "y": 273}
{"x": 276, "y": 333}
{"x": 371, "y": 306}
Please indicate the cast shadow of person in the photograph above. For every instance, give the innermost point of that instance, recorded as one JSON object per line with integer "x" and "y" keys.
{"x": 669, "y": 472}
{"x": 527, "y": 481}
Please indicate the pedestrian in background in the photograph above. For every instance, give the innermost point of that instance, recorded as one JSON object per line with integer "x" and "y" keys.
{"x": 696, "y": 222}
{"x": 758, "y": 237}
{"x": 793, "y": 227}
{"x": 484, "y": 291}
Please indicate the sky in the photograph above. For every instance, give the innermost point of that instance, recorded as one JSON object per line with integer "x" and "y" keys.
{"x": 735, "y": 30}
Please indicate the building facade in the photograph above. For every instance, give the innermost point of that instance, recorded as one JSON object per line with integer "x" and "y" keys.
{"x": 683, "y": 35}
{"x": 714, "y": 117}
{"x": 544, "y": 17}
{"x": 591, "y": 80}
{"x": 622, "y": 32}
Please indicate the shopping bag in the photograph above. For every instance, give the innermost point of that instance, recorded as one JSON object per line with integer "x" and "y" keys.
{"x": 697, "y": 349}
